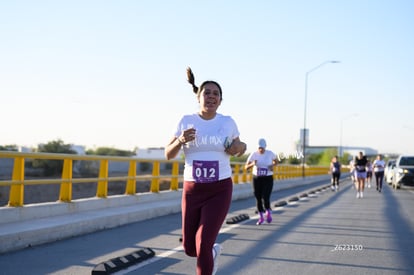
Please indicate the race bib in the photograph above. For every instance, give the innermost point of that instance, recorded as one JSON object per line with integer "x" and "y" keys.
{"x": 262, "y": 171}
{"x": 205, "y": 171}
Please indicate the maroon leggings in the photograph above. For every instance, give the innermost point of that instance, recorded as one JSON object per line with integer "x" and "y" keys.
{"x": 204, "y": 208}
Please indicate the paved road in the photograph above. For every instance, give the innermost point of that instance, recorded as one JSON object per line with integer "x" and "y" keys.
{"x": 327, "y": 233}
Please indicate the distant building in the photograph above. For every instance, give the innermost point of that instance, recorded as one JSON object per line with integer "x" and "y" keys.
{"x": 24, "y": 149}
{"x": 79, "y": 149}
{"x": 352, "y": 150}
{"x": 155, "y": 153}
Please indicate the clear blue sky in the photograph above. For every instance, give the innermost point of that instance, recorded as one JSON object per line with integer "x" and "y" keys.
{"x": 112, "y": 73}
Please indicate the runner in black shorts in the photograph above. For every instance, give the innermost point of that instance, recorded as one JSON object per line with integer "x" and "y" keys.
{"x": 361, "y": 173}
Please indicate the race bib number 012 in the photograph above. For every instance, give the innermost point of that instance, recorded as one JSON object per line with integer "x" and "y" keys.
{"x": 205, "y": 171}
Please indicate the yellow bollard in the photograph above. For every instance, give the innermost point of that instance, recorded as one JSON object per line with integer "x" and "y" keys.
{"x": 17, "y": 190}
{"x": 280, "y": 173}
{"x": 131, "y": 185}
{"x": 155, "y": 182}
{"x": 244, "y": 176}
{"x": 102, "y": 190}
{"x": 174, "y": 179}
{"x": 236, "y": 173}
{"x": 66, "y": 185}
{"x": 276, "y": 172}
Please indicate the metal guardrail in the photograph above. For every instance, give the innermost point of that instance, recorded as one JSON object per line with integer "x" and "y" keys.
{"x": 18, "y": 181}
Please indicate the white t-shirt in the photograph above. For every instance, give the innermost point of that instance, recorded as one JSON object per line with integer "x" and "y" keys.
{"x": 205, "y": 159}
{"x": 379, "y": 165}
{"x": 263, "y": 162}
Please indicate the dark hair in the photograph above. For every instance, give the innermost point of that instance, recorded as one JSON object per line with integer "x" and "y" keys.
{"x": 197, "y": 90}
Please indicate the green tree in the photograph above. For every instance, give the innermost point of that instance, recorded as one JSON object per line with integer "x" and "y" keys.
{"x": 294, "y": 161}
{"x": 11, "y": 147}
{"x": 52, "y": 167}
{"x": 327, "y": 156}
{"x": 314, "y": 159}
{"x": 107, "y": 151}
{"x": 241, "y": 158}
{"x": 346, "y": 157}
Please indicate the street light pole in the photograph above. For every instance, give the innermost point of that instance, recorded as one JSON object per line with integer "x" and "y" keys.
{"x": 304, "y": 116}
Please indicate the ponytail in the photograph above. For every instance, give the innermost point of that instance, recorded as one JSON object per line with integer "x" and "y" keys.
{"x": 190, "y": 79}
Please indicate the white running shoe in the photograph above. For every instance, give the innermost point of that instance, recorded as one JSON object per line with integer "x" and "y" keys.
{"x": 217, "y": 248}
{"x": 357, "y": 196}
{"x": 362, "y": 195}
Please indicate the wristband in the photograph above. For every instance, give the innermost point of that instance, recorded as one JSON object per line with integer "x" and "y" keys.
{"x": 180, "y": 142}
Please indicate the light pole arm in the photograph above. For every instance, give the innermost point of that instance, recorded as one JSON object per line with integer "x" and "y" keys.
{"x": 320, "y": 65}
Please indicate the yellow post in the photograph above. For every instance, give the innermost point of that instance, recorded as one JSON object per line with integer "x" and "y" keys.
{"x": 295, "y": 169}
{"x": 278, "y": 172}
{"x": 236, "y": 173}
{"x": 102, "y": 190}
{"x": 244, "y": 176}
{"x": 155, "y": 182}
{"x": 131, "y": 185}
{"x": 174, "y": 179}
{"x": 17, "y": 190}
{"x": 66, "y": 185}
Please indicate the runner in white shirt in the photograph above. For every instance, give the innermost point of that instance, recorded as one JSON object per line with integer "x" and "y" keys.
{"x": 262, "y": 162}
{"x": 208, "y": 139}
{"x": 379, "y": 166}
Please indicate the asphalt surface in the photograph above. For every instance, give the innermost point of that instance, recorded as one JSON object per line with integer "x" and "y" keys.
{"x": 324, "y": 233}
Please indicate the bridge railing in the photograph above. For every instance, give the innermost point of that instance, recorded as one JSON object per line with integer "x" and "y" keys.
{"x": 17, "y": 182}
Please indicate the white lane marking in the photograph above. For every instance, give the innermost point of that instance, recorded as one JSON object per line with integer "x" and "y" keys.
{"x": 154, "y": 259}
{"x": 168, "y": 253}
